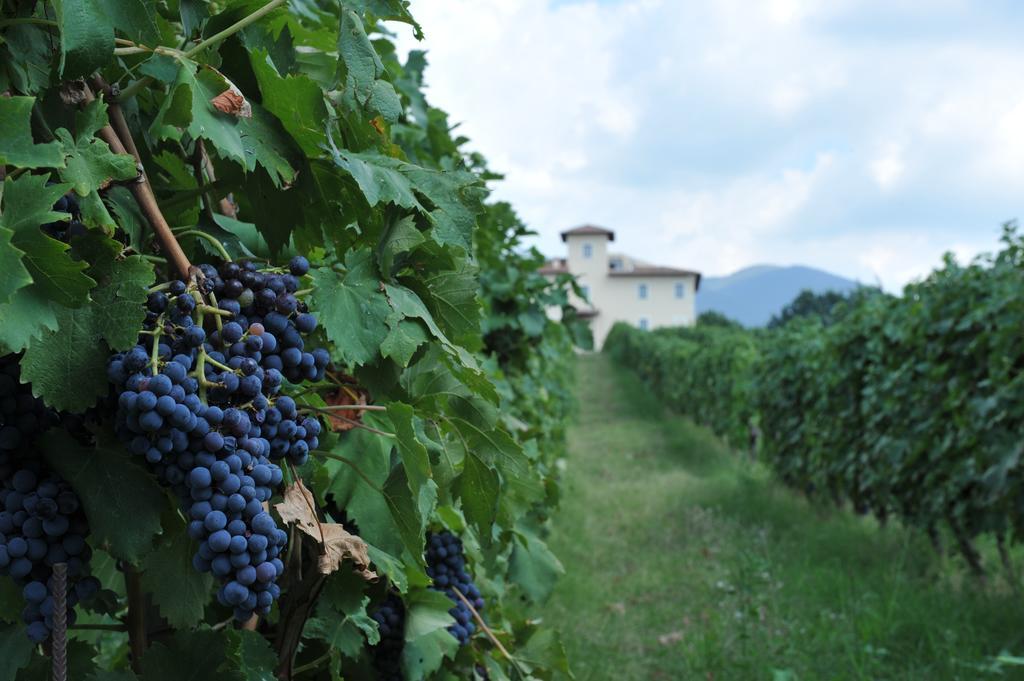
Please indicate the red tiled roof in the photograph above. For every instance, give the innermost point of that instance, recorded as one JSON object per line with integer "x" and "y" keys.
{"x": 585, "y": 230}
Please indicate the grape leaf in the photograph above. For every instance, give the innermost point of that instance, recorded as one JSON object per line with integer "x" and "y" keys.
{"x": 86, "y": 36}
{"x": 427, "y": 640}
{"x": 134, "y": 18}
{"x": 90, "y": 164}
{"x": 15, "y": 650}
{"x": 188, "y": 656}
{"x": 67, "y": 367}
{"x": 401, "y": 237}
{"x": 249, "y": 657}
{"x": 296, "y": 100}
{"x": 414, "y": 458}
{"x": 379, "y": 177}
{"x": 27, "y": 203}
{"x": 25, "y": 318}
{"x": 404, "y": 337}
{"x": 17, "y": 148}
{"x": 407, "y": 511}
{"x": 478, "y": 487}
{"x": 392, "y": 10}
{"x": 187, "y": 107}
{"x": 352, "y": 308}
{"x": 268, "y": 145}
{"x": 544, "y": 650}
{"x": 533, "y": 566}
{"x": 341, "y": 618}
{"x": 13, "y": 274}
{"x": 120, "y": 295}
{"x": 452, "y": 298}
{"x": 103, "y": 675}
{"x": 177, "y": 589}
{"x": 362, "y": 69}
{"x": 122, "y": 501}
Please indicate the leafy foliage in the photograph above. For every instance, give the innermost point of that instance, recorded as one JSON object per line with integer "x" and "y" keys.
{"x": 267, "y": 130}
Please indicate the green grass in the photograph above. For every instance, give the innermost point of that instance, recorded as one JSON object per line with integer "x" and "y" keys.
{"x": 686, "y": 562}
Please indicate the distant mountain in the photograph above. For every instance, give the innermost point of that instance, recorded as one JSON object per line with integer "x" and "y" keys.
{"x": 754, "y": 294}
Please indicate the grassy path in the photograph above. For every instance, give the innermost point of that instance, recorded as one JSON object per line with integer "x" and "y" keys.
{"x": 686, "y": 563}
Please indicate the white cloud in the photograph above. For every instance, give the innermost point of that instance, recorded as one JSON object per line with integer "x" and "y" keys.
{"x": 864, "y": 136}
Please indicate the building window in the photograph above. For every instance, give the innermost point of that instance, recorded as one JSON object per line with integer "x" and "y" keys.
{"x": 586, "y": 291}
{"x": 641, "y": 291}
{"x": 680, "y": 289}
{"x": 588, "y": 251}
{"x": 615, "y": 264}
{"x": 643, "y": 323}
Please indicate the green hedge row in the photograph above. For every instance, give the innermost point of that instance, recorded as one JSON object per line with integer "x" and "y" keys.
{"x": 910, "y": 405}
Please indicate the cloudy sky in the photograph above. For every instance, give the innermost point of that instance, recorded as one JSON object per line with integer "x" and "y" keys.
{"x": 865, "y": 137}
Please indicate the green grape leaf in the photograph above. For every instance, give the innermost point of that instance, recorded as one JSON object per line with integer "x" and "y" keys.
{"x": 404, "y": 337}
{"x": 17, "y": 148}
{"x": 103, "y": 675}
{"x": 342, "y": 620}
{"x": 249, "y": 657}
{"x": 401, "y": 237}
{"x": 296, "y": 100}
{"x": 86, "y": 36}
{"x": 457, "y": 197}
{"x": 188, "y": 656}
{"x": 27, "y": 317}
{"x": 389, "y": 10}
{"x": 452, "y": 298}
{"x": 362, "y": 69}
{"x": 414, "y": 459}
{"x": 427, "y": 641}
{"x": 90, "y": 163}
{"x": 406, "y": 511}
{"x": 118, "y": 301}
{"x": 13, "y": 274}
{"x": 134, "y": 18}
{"x": 15, "y": 649}
{"x": 177, "y": 589}
{"x": 479, "y": 488}
{"x": 268, "y": 145}
{"x": 27, "y": 204}
{"x": 67, "y": 367}
{"x": 544, "y": 650}
{"x": 379, "y": 178}
{"x": 352, "y": 308}
{"x": 122, "y": 501}
{"x": 187, "y": 107}
{"x": 533, "y": 566}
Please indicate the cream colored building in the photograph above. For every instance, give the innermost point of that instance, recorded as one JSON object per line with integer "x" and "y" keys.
{"x": 621, "y": 288}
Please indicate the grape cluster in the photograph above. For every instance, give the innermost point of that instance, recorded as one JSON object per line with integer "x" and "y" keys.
{"x": 42, "y": 524}
{"x": 206, "y": 412}
{"x": 387, "y": 653}
{"x": 41, "y": 519}
{"x": 446, "y": 565}
{"x": 22, "y": 416}
{"x": 65, "y": 230}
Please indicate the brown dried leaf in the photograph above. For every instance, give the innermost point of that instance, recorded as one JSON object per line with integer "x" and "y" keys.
{"x": 232, "y": 102}
{"x": 299, "y": 507}
{"x": 342, "y": 419}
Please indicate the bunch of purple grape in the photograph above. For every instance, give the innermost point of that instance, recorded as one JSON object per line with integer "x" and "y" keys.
{"x": 41, "y": 518}
{"x": 207, "y": 413}
{"x": 387, "y": 653}
{"x": 446, "y": 565}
